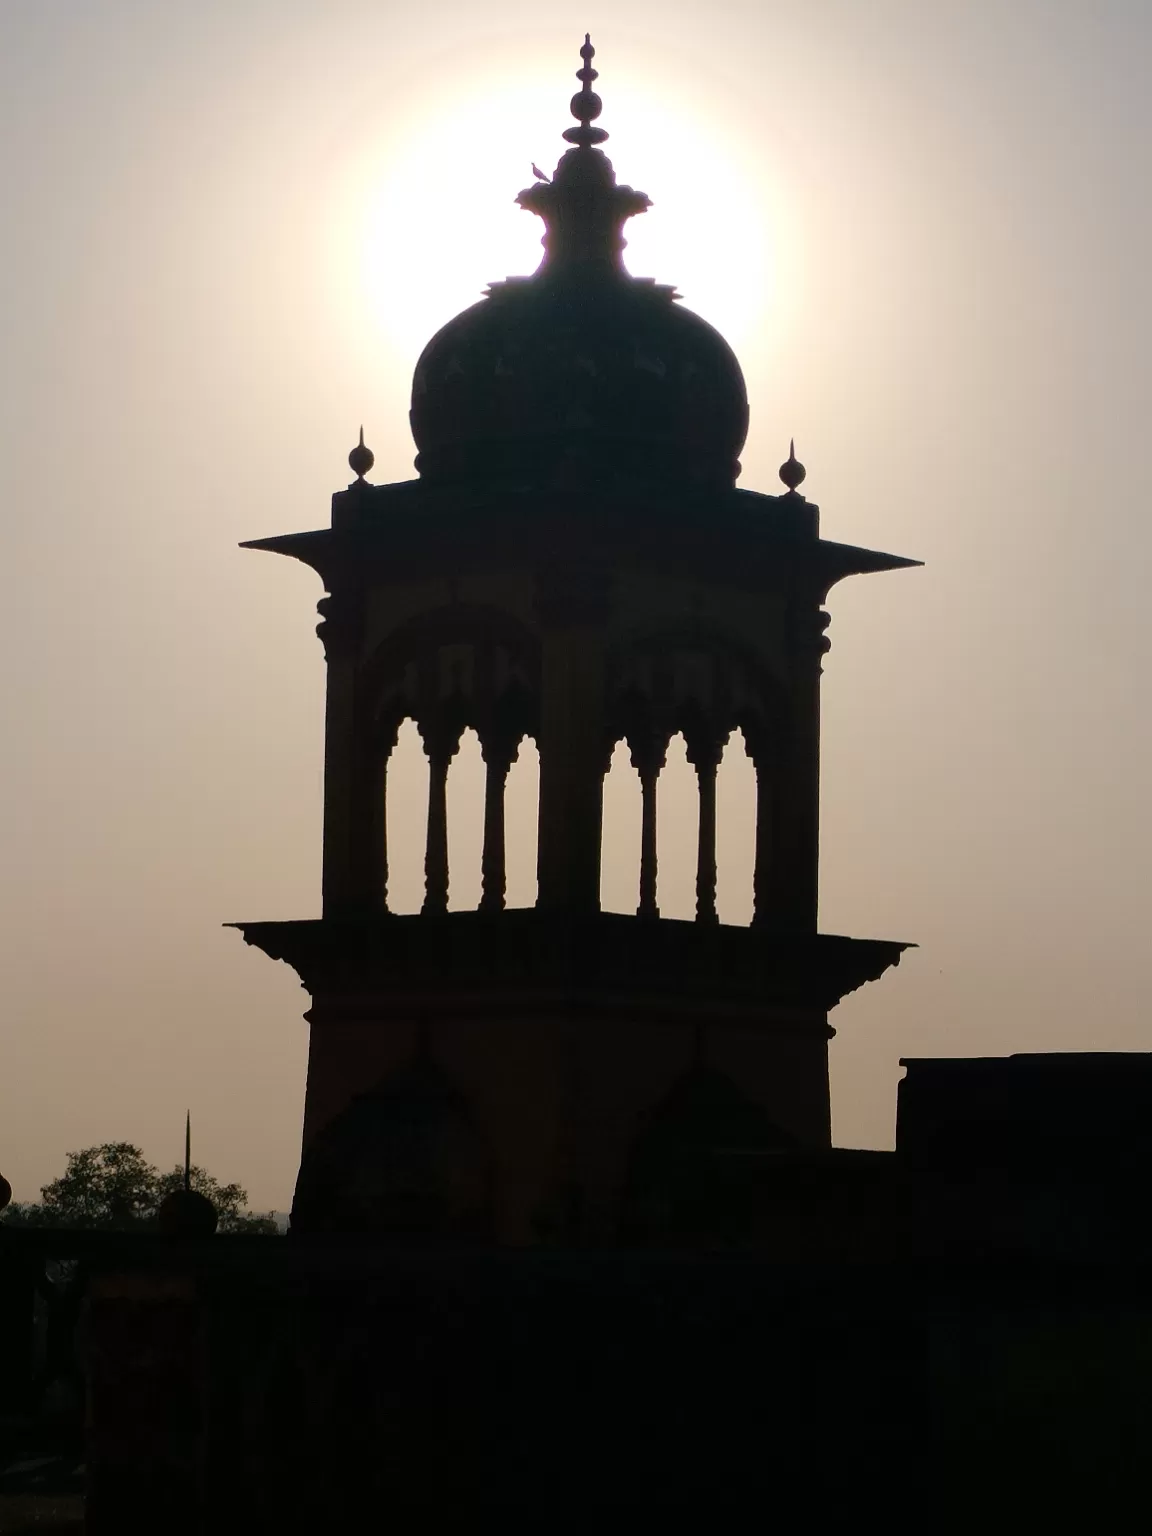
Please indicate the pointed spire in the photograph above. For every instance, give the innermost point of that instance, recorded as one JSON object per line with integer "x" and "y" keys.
{"x": 586, "y": 105}
{"x": 186, "y": 1212}
{"x": 792, "y": 472}
{"x": 361, "y": 459}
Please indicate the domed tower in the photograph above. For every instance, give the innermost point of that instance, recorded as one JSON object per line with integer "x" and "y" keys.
{"x": 575, "y": 564}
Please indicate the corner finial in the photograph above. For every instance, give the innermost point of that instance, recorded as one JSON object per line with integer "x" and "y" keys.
{"x": 361, "y": 459}
{"x": 586, "y": 106}
{"x": 792, "y": 472}
{"x": 188, "y": 1149}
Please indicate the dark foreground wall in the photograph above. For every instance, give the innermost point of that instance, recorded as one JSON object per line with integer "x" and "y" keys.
{"x": 267, "y": 1386}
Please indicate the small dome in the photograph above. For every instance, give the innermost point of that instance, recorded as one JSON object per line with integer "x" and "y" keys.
{"x": 187, "y": 1213}
{"x": 581, "y": 367}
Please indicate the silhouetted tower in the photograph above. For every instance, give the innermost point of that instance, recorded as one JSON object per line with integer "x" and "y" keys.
{"x": 574, "y": 564}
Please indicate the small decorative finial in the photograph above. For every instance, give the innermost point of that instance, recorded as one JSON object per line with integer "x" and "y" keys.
{"x": 586, "y": 105}
{"x": 5, "y": 1192}
{"x": 186, "y": 1212}
{"x": 361, "y": 459}
{"x": 792, "y": 472}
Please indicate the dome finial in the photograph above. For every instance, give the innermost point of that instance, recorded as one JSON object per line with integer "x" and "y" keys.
{"x": 185, "y": 1212}
{"x": 586, "y": 105}
{"x": 583, "y": 209}
{"x": 792, "y": 472}
{"x": 361, "y": 459}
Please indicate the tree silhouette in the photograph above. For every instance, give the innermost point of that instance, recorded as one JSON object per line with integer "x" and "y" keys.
{"x": 113, "y": 1187}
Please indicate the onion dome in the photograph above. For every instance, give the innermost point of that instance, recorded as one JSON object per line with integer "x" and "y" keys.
{"x": 580, "y": 370}
{"x": 5, "y": 1192}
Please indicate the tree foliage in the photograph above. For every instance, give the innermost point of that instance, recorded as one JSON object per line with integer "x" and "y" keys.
{"x": 113, "y": 1186}
{"x": 106, "y": 1186}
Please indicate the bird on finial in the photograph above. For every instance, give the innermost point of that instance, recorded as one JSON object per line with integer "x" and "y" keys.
{"x": 792, "y": 472}
{"x": 538, "y": 173}
{"x": 586, "y": 106}
{"x": 361, "y": 459}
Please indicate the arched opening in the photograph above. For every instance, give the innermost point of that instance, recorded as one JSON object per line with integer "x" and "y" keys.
{"x": 735, "y": 832}
{"x": 407, "y": 811}
{"x": 620, "y": 835}
{"x": 677, "y": 832}
{"x": 465, "y": 824}
{"x": 521, "y": 825}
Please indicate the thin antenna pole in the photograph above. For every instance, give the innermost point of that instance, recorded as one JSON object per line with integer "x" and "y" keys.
{"x": 188, "y": 1149}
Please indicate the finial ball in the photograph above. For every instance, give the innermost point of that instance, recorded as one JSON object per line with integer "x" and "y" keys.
{"x": 586, "y": 106}
{"x": 361, "y": 459}
{"x": 792, "y": 472}
{"x": 187, "y": 1213}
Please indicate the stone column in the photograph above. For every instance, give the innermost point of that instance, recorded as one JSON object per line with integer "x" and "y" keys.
{"x": 499, "y": 755}
{"x": 648, "y": 760}
{"x": 440, "y": 743}
{"x": 765, "y": 852}
{"x": 704, "y": 752}
{"x": 377, "y": 853}
{"x": 794, "y": 882}
{"x": 344, "y": 768}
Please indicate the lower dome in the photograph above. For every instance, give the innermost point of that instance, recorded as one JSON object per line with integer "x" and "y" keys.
{"x": 609, "y": 375}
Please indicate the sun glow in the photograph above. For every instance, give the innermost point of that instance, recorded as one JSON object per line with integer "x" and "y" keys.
{"x": 440, "y": 222}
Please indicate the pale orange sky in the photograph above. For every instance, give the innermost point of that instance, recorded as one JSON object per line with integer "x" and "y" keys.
{"x": 228, "y": 228}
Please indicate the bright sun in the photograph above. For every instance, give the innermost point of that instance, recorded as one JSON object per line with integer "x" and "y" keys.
{"x": 440, "y": 222}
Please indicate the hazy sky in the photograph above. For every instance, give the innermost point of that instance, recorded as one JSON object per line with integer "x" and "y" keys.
{"x": 228, "y": 227}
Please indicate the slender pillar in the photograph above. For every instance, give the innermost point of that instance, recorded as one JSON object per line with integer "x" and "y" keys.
{"x": 764, "y": 852}
{"x": 441, "y": 748}
{"x": 498, "y": 759}
{"x": 704, "y": 755}
{"x": 648, "y": 760}
{"x": 378, "y": 850}
{"x": 706, "y": 845}
{"x": 794, "y": 877}
{"x": 339, "y": 629}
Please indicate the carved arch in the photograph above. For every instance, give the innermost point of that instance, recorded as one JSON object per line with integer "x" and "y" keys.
{"x": 697, "y": 679}
{"x": 467, "y": 665}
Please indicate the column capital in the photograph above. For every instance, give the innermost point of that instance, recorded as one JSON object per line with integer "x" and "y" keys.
{"x": 704, "y": 747}
{"x": 648, "y": 751}
{"x": 806, "y": 633}
{"x": 441, "y": 738}
{"x": 341, "y": 624}
{"x": 500, "y": 746}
